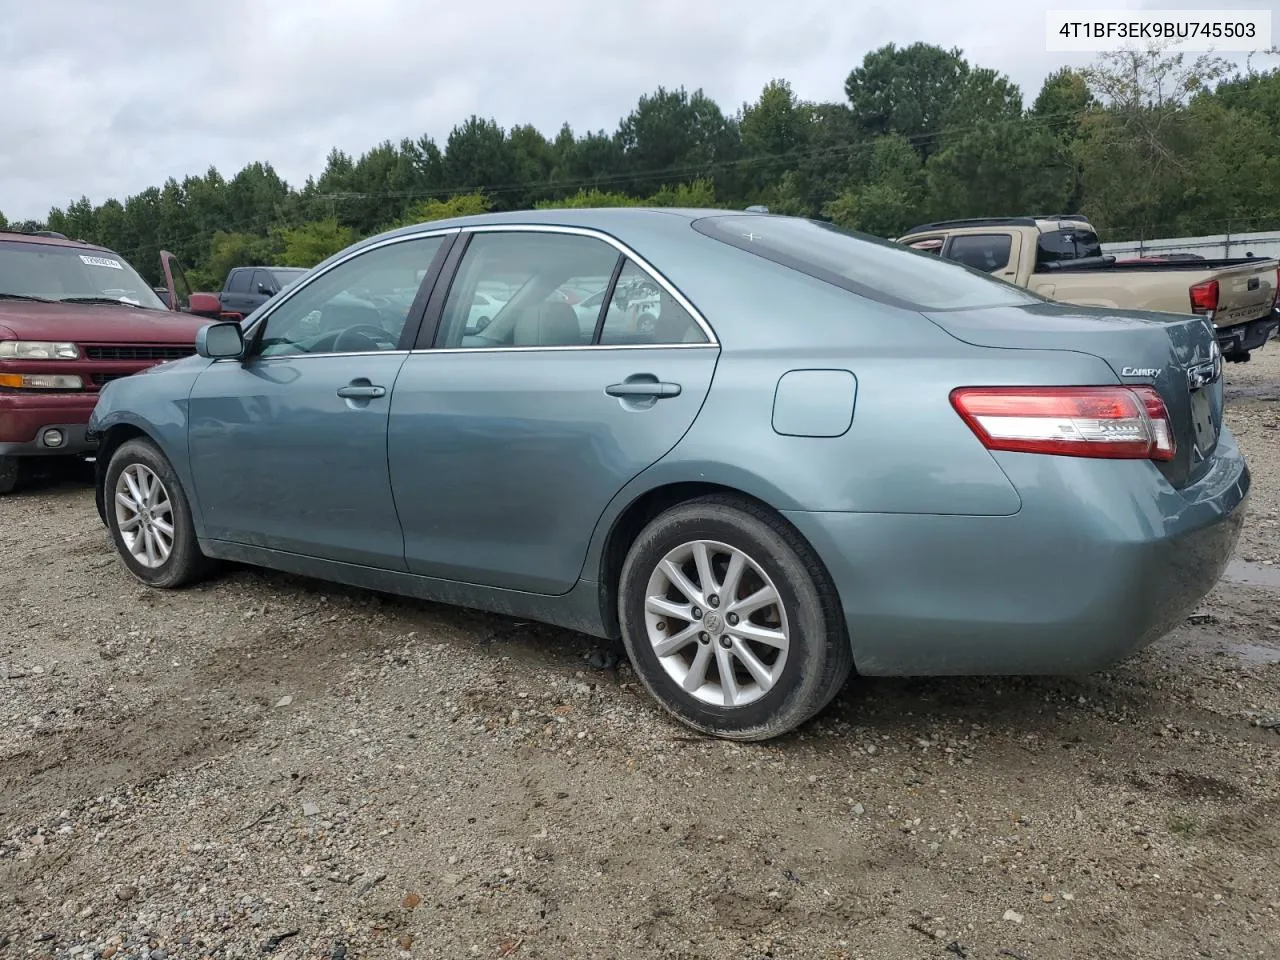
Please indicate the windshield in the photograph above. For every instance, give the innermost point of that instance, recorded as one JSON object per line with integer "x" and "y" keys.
{"x": 868, "y": 266}
{"x": 50, "y": 272}
{"x": 286, "y": 277}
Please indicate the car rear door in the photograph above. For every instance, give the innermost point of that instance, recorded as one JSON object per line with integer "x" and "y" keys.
{"x": 505, "y": 446}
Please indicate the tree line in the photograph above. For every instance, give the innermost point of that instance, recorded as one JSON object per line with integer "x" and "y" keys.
{"x": 1146, "y": 143}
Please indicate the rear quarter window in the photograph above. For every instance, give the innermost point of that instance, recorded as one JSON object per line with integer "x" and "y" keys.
{"x": 868, "y": 266}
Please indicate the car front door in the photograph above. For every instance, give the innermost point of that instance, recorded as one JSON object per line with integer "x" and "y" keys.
{"x": 506, "y": 444}
{"x": 288, "y": 447}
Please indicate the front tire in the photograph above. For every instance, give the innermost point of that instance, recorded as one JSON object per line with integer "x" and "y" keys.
{"x": 730, "y": 621}
{"x": 150, "y": 518}
{"x": 10, "y": 474}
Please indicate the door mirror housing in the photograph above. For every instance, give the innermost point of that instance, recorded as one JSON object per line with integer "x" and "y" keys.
{"x": 205, "y": 305}
{"x": 220, "y": 341}
{"x": 264, "y": 289}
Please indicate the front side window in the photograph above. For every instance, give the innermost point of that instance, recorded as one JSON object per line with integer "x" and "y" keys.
{"x": 46, "y": 271}
{"x": 359, "y": 306}
{"x": 287, "y": 276}
{"x": 867, "y": 266}
{"x": 987, "y": 252}
{"x": 530, "y": 267}
{"x": 264, "y": 282}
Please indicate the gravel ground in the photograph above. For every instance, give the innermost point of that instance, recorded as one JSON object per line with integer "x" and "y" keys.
{"x": 267, "y": 765}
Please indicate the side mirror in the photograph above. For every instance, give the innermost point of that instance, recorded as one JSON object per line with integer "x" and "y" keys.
{"x": 220, "y": 341}
{"x": 264, "y": 289}
{"x": 205, "y": 305}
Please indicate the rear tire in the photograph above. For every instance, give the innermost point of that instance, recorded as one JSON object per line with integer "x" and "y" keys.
{"x": 770, "y": 621}
{"x": 150, "y": 518}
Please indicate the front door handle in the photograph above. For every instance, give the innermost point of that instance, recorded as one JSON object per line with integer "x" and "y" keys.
{"x": 643, "y": 388}
{"x": 357, "y": 390}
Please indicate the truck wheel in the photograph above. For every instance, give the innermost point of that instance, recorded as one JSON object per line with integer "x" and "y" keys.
{"x": 9, "y": 471}
{"x": 150, "y": 518}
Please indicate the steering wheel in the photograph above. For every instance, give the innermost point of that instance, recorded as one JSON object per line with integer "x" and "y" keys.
{"x": 364, "y": 331}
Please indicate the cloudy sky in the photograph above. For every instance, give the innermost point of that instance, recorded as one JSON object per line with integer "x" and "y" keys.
{"x": 117, "y": 96}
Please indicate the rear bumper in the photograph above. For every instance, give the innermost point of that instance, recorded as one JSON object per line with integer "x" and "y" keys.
{"x": 1104, "y": 558}
{"x": 26, "y": 419}
{"x": 1243, "y": 337}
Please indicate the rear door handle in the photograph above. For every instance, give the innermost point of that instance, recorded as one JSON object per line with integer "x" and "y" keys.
{"x": 361, "y": 391}
{"x": 643, "y": 388}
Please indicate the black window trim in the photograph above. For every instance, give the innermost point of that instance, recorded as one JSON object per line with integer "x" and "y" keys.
{"x": 431, "y": 323}
{"x": 607, "y": 300}
{"x": 412, "y": 323}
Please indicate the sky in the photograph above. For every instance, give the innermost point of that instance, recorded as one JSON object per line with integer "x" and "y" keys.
{"x": 118, "y": 96}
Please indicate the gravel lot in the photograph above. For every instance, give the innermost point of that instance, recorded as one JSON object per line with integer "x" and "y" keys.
{"x": 267, "y": 765}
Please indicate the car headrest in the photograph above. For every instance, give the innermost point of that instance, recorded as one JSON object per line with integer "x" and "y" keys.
{"x": 551, "y": 324}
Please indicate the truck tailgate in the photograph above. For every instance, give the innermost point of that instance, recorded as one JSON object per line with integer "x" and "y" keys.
{"x": 1245, "y": 292}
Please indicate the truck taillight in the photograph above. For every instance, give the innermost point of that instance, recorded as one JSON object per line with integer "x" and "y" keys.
{"x": 1204, "y": 297}
{"x": 1114, "y": 423}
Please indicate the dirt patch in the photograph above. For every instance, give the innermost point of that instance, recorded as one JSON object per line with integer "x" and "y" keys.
{"x": 272, "y": 763}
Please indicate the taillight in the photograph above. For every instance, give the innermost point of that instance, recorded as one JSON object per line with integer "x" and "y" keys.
{"x": 1204, "y": 297}
{"x": 1116, "y": 423}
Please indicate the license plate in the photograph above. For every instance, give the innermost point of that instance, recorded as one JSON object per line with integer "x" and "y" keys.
{"x": 1202, "y": 419}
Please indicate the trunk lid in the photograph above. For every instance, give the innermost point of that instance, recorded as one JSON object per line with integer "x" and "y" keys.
{"x": 1177, "y": 355}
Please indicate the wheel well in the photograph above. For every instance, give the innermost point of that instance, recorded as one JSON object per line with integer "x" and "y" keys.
{"x": 111, "y": 441}
{"x": 628, "y": 526}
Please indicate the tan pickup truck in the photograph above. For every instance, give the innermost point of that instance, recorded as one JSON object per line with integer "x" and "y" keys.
{"x": 1059, "y": 258}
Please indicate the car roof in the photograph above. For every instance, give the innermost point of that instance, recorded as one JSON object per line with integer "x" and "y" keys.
{"x": 50, "y": 241}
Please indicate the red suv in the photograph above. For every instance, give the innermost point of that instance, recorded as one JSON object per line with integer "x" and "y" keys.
{"x": 74, "y": 316}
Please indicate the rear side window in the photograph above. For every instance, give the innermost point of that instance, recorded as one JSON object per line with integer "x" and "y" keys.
{"x": 868, "y": 266}
{"x": 987, "y": 252}
{"x": 238, "y": 282}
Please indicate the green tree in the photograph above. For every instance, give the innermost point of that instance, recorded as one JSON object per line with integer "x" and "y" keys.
{"x": 532, "y": 160}
{"x": 459, "y": 205}
{"x": 672, "y": 134}
{"x": 1002, "y": 169}
{"x": 478, "y": 156}
{"x": 228, "y": 251}
{"x": 1138, "y": 156}
{"x": 4, "y": 221}
{"x": 700, "y": 194}
{"x": 773, "y": 130}
{"x": 892, "y": 198}
{"x": 312, "y": 242}
{"x": 923, "y": 92}
{"x": 590, "y": 199}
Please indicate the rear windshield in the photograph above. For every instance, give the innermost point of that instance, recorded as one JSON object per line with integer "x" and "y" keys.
{"x": 48, "y": 271}
{"x": 868, "y": 266}
{"x": 1056, "y": 246}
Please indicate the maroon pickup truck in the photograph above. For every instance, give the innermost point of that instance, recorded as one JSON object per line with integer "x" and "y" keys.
{"x": 74, "y": 316}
